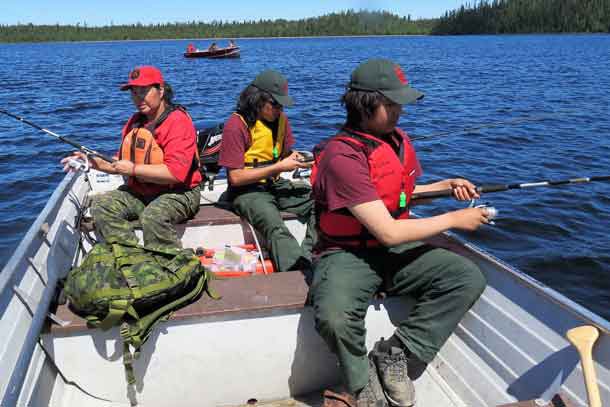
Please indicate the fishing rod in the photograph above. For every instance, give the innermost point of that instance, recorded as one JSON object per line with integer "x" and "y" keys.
{"x": 505, "y": 187}
{"x": 86, "y": 150}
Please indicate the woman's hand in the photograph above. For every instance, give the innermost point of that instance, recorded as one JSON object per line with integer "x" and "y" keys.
{"x": 292, "y": 162}
{"x": 463, "y": 190}
{"x": 94, "y": 162}
{"x": 124, "y": 167}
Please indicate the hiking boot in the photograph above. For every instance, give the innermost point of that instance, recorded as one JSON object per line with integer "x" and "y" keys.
{"x": 392, "y": 369}
{"x": 372, "y": 394}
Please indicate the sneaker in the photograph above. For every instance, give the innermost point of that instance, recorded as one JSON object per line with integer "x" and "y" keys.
{"x": 392, "y": 369}
{"x": 372, "y": 394}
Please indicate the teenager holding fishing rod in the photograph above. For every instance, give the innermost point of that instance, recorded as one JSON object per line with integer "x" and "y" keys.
{"x": 158, "y": 155}
{"x": 363, "y": 179}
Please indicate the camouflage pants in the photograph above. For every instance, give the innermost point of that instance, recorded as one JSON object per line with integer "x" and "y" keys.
{"x": 114, "y": 211}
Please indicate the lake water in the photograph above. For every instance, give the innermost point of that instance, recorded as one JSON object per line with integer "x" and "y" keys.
{"x": 557, "y": 235}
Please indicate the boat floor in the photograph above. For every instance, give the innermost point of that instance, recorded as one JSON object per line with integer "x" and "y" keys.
{"x": 431, "y": 391}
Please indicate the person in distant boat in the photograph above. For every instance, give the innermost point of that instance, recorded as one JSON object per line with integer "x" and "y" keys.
{"x": 158, "y": 157}
{"x": 213, "y": 47}
{"x": 363, "y": 179}
{"x": 190, "y": 48}
{"x": 256, "y": 148}
{"x": 232, "y": 44}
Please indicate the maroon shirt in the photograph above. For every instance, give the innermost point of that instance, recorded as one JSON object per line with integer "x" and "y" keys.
{"x": 343, "y": 178}
{"x": 236, "y": 140}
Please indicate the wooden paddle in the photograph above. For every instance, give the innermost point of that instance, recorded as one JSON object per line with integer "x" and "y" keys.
{"x": 583, "y": 338}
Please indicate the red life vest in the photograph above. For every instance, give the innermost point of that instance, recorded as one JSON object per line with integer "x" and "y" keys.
{"x": 393, "y": 176}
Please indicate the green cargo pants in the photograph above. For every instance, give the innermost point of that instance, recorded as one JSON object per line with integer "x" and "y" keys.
{"x": 261, "y": 206}
{"x": 113, "y": 212}
{"x": 445, "y": 285}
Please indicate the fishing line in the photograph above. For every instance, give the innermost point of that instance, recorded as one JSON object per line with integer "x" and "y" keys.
{"x": 86, "y": 150}
{"x": 491, "y": 125}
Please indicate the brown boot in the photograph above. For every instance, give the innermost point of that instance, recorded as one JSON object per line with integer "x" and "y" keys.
{"x": 332, "y": 399}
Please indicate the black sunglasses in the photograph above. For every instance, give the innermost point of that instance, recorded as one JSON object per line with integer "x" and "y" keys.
{"x": 275, "y": 104}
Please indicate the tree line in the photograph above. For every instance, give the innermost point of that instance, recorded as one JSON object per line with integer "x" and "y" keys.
{"x": 348, "y": 22}
{"x": 483, "y": 17}
{"x": 527, "y": 16}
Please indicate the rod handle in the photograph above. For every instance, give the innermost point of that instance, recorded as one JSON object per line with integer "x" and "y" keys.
{"x": 583, "y": 338}
{"x": 492, "y": 188}
{"x": 103, "y": 157}
{"x": 432, "y": 194}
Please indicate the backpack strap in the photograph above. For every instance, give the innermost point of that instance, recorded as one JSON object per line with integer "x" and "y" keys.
{"x": 116, "y": 311}
{"x": 136, "y": 333}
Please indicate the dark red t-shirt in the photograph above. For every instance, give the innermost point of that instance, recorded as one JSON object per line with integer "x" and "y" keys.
{"x": 177, "y": 138}
{"x": 236, "y": 140}
{"x": 343, "y": 178}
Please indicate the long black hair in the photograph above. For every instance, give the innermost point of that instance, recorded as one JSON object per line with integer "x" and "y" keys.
{"x": 360, "y": 106}
{"x": 251, "y": 101}
{"x": 168, "y": 94}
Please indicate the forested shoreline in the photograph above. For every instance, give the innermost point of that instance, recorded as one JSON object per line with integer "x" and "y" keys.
{"x": 342, "y": 23}
{"x": 483, "y": 17}
{"x": 527, "y": 16}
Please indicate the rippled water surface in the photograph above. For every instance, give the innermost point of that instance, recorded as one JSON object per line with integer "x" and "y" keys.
{"x": 559, "y": 236}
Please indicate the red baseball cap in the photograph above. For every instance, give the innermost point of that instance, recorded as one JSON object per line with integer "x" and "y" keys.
{"x": 144, "y": 76}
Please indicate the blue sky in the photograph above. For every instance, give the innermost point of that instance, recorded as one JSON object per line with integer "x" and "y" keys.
{"x": 128, "y": 12}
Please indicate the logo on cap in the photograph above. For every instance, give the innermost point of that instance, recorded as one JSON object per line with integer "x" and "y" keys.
{"x": 135, "y": 74}
{"x": 400, "y": 75}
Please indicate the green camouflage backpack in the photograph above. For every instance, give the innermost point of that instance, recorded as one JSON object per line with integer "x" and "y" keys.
{"x": 133, "y": 287}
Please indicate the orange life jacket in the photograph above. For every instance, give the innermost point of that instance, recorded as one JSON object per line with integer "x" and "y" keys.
{"x": 393, "y": 176}
{"x": 139, "y": 144}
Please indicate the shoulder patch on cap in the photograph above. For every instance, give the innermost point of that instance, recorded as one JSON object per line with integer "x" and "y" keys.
{"x": 135, "y": 74}
{"x": 400, "y": 75}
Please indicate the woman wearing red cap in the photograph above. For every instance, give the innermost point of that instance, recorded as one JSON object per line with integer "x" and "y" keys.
{"x": 363, "y": 179}
{"x": 158, "y": 155}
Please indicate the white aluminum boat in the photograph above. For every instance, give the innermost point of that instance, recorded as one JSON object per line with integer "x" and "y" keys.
{"x": 258, "y": 342}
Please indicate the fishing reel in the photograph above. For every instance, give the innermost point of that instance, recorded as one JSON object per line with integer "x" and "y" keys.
{"x": 79, "y": 165}
{"x": 492, "y": 212}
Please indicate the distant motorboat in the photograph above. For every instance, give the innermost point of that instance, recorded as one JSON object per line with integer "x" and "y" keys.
{"x": 228, "y": 52}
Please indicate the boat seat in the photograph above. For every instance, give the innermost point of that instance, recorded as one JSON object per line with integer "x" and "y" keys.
{"x": 279, "y": 291}
{"x": 221, "y": 215}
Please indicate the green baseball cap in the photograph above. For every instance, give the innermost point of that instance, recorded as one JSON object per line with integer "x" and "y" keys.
{"x": 274, "y": 82}
{"x": 385, "y": 77}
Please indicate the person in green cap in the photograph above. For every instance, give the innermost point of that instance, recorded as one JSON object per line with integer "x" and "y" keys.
{"x": 362, "y": 180}
{"x": 256, "y": 148}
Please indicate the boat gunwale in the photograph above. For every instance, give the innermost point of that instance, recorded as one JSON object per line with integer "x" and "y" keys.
{"x": 7, "y": 273}
{"x": 12, "y": 392}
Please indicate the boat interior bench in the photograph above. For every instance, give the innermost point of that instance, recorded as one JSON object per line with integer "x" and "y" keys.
{"x": 221, "y": 215}
{"x": 280, "y": 291}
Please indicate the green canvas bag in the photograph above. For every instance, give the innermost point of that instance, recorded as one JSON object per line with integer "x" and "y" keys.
{"x": 133, "y": 287}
